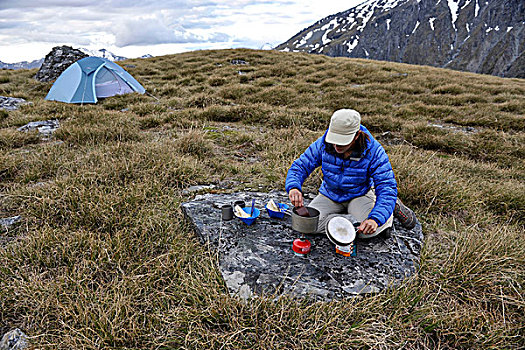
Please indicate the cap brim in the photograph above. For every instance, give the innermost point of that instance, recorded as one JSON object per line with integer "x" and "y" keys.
{"x": 338, "y": 139}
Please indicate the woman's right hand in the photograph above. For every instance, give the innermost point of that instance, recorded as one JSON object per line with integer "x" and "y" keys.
{"x": 296, "y": 197}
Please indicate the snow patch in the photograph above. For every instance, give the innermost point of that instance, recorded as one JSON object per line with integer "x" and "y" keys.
{"x": 332, "y": 24}
{"x": 466, "y": 4}
{"x": 325, "y": 39}
{"x": 388, "y": 24}
{"x": 476, "y": 11}
{"x": 366, "y": 18}
{"x": 509, "y": 29}
{"x": 453, "y": 6}
{"x": 431, "y": 22}
{"x": 415, "y": 28}
{"x": 366, "y": 52}
{"x": 489, "y": 29}
{"x": 390, "y": 4}
{"x": 353, "y": 44}
{"x": 304, "y": 40}
{"x": 327, "y": 28}
{"x": 467, "y": 27}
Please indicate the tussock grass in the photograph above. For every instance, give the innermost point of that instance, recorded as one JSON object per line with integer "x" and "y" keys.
{"x": 11, "y": 138}
{"x": 104, "y": 258}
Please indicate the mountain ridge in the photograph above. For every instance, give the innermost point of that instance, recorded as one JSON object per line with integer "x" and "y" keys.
{"x": 22, "y": 65}
{"x": 38, "y": 63}
{"x": 468, "y": 35}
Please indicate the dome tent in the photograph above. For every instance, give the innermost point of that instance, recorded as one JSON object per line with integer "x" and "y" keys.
{"x": 91, "y": 78}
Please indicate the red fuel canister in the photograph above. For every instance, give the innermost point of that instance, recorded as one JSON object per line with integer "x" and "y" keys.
{"x": 301, "y": 247}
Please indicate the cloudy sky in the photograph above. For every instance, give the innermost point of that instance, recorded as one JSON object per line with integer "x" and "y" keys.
{"x": 132, "y": 28}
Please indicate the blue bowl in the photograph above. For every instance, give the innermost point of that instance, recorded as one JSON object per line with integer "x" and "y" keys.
{"x": 277, "y": 214}
{"x": 251, "y": 219}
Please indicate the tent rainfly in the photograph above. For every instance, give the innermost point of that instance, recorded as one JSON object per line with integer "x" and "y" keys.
{"x": 91, "y": 78}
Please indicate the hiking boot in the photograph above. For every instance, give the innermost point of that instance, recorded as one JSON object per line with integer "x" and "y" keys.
{"x": 406, "y": 217}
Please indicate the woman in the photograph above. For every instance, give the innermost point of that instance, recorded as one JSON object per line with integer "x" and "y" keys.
{"x": 358, "y": 180}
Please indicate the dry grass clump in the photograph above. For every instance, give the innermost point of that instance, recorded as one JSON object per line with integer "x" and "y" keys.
{"x": 11, "y": 138}
{"x": 105, "y": 259}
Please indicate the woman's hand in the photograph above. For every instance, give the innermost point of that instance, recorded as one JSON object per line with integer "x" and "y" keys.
{"x": 296, "y": 197}
{"x": 367, "y": 227}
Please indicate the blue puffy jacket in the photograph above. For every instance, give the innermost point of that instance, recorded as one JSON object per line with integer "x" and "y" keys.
{"x": 345, "y": 179}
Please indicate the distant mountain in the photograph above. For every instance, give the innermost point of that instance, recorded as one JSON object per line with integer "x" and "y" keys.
{"x": 22, "y": 65}
{"x": 103, "y": 53}
{"x": 479, "y": 36}
{"x": 37, "y": 63}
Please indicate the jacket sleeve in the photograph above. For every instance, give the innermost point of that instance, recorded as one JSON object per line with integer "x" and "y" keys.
{"x": 303, "y": 166}
{"x": 385, "y": 186}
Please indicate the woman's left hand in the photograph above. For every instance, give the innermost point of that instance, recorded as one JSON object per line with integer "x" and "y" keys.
{"x": 368, "y": 227}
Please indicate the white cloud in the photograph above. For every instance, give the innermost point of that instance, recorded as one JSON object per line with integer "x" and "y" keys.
{"x": 134, "y": 27}
{"x": 150, "y": 31}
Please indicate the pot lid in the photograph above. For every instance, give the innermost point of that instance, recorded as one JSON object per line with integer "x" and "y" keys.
{"x": 340, "y": 231}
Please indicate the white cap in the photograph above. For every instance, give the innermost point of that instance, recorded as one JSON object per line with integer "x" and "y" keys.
{"x": 343, "y": 127}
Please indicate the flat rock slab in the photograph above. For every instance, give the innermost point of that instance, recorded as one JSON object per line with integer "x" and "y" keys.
{"x": 46, "y": 127}
{"x": 258, "y": 259}
{"x": 11, "y": 103}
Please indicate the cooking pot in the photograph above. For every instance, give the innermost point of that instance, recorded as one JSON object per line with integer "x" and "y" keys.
{"x": 305, "y": 224}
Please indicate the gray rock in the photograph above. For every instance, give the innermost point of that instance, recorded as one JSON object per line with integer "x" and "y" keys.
{"x": 238, "y": 62}
{"x": 388, "y": 138}
{"x": 11, "y": 103}
{"x": 14, "y": 340}
{"x": 258, "y": 259}
{"x": 46, "y": 128}
{"x": 454, "y": 129}
{"x": 57, "y": 61}
{"x": 7, "y": 223}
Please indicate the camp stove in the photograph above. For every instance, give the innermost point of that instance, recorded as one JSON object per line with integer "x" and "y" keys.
{"x": 301, "y": 246}
{"x": 304, "y": 225}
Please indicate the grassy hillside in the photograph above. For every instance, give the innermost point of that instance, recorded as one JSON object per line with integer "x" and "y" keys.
{"x": 104, "y": 258}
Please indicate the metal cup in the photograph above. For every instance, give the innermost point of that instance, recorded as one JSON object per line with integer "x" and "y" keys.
{"x": 227, "y": 212}
{"x": 241, "y": 204}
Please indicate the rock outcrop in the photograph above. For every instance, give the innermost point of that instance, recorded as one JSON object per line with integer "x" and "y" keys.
{"x": 11, "y": 103}
{"x": 258, "y": 259}
{"x": 471, "y": 35}
{"x": 57, "y": 61}
{"x": 14, "y": 340}
{"x": 46, "y": 128}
